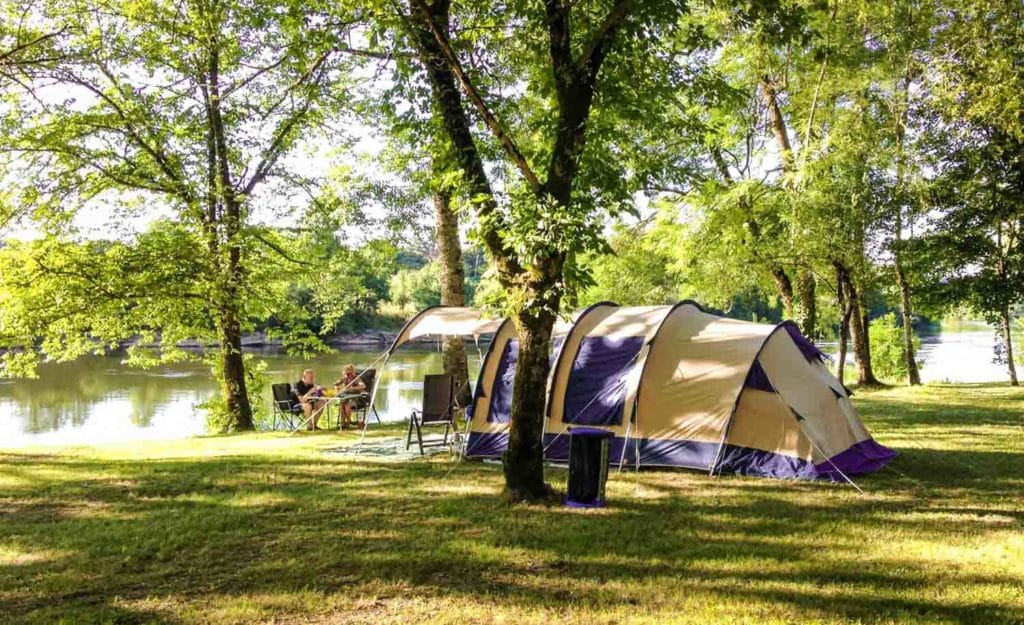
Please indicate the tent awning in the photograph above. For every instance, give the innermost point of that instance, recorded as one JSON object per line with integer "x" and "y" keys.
{"x": 446, "y": 321}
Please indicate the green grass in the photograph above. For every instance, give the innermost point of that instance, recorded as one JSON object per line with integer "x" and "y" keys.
{"x": 270, "y": 529}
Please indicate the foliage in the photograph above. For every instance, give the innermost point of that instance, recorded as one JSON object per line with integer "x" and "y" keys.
{"x": 638, "y": 272}
{"x": 887, "y": 348}
{"x": 416, "y": 288}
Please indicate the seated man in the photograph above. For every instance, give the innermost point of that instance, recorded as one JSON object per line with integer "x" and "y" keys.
{"x": 309, "y": 397}
{"x": 348, "y": 383}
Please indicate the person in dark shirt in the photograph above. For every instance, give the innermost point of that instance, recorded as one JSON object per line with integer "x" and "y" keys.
{"x": 309, "y": 397}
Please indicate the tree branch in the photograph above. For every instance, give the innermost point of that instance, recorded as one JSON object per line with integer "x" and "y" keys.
{"x": 453, "y": 63}
{"x": 594, "y": 53}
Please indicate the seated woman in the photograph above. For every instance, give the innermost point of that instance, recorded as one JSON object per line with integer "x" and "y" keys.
{"x": 348, "y": 383}
{"x": 309, "y": 397}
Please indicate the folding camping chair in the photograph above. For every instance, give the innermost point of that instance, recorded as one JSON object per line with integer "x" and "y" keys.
{"x": 438, "y": 410}
{"x": 285, "y": 405}
{"x": 362, "y": 403}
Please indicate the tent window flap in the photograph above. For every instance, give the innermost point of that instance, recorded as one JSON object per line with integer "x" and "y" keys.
{"x": 596, "y": 392}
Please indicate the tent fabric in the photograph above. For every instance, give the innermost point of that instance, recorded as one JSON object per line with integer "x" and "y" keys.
{"x": 806, "y": 347}
{"x": 758, "y": 379}
{"x": 683, "y": 387}
{"x": 596, "y": 381}
{"x": 501, "y": 395}
{"x": 446, "y": 321}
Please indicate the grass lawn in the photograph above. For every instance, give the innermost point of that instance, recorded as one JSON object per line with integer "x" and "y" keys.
{"x": 268, "y": 528}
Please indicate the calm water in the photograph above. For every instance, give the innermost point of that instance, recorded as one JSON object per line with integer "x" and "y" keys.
{"x": 97, "y": 399}
{"x": 100, "y": 400}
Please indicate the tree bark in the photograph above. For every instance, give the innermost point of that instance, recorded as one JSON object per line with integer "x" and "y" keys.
{"x": 860, "y": 333}
{"x": 777, "y": 123}
{"x": 785, "y": 288}
{"x": 1004, "y": 322}
{"x": 807, "y": 288}
{"x": 453, "y": 280}
{"x": 859, "y": 329}
{"x": 524, "y": 459}
{"x": 224, "y": 220}
{"x": 842, "y": 301}
{"x": 913, "y": 375}
{"x": 233, "y": 384}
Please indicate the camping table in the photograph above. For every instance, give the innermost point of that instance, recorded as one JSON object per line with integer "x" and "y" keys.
{"x": 326, "y": 401}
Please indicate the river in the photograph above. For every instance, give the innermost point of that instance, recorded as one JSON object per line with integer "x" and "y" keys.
{"x": 99, "y": 399}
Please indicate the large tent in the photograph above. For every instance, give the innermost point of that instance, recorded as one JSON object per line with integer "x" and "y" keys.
{"x": 680, "y": 386}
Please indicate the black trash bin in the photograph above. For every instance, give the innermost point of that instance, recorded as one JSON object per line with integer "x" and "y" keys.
{"x": 588, "y": 467}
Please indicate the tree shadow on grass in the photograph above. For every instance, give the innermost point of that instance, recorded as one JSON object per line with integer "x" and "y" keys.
{"x": 110, "y": 535}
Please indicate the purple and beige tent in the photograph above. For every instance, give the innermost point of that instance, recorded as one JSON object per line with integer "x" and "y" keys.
{"x": 682, "y": 387}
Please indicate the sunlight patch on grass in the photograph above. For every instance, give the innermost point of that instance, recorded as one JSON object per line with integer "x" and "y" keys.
{"x": 452, "y": 488}
{"x": 14, "y": 556}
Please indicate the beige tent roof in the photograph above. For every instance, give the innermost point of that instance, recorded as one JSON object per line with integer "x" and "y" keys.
{"x": 446, "y": 321}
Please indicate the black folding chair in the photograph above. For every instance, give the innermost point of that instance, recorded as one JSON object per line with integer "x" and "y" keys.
{"x": 361, "y": 404}
{"x": 438, "y": 410}
{"x": 285, "y": 404}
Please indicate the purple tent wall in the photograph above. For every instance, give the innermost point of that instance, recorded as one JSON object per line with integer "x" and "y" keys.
{"x": 806, "y": 347}
{"x": 758, "y": 379}
{"x": 501, "y": 394}
{"x": 595, "y": 394}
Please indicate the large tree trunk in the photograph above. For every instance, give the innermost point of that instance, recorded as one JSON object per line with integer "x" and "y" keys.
{"x": 807, "y": 288}
{"x": 453, "y": 279}
{"x": 225, "y": 216}
{"x": 1004, "y": 322}
{"x": 524, "y": 459}
{"x": 233, "y": 384}
{"x": 539, "y": 279}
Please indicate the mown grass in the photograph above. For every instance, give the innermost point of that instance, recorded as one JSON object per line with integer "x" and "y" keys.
{"x": 269, "y": 528}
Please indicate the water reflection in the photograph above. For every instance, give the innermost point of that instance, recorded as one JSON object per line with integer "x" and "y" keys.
{"x": 97, "y": 399}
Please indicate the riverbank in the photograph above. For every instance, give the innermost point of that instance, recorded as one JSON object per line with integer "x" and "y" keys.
{"x": 270, "y": 528}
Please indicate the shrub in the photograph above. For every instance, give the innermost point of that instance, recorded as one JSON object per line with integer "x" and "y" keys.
{"x": 887, "y": 348}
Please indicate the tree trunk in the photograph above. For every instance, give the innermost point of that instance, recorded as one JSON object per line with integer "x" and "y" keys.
{"x": 540, "y": 279}
{"x": 843, "y": 303}
{"x": 453, "y": 279}
{"x": 524, "y": 459}
{"x": 777, "y": 123}
{"x": 236, "y": 396}
{"x": 860, "y": 332}
{"x": 1004, "y": 319}
{"x": 807, "y": 288}
{"x": 785, "y": 288}
{"x": 225, "y": 253}
{"x": 859, "y": 327}
{"x": 913, "y": 375}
